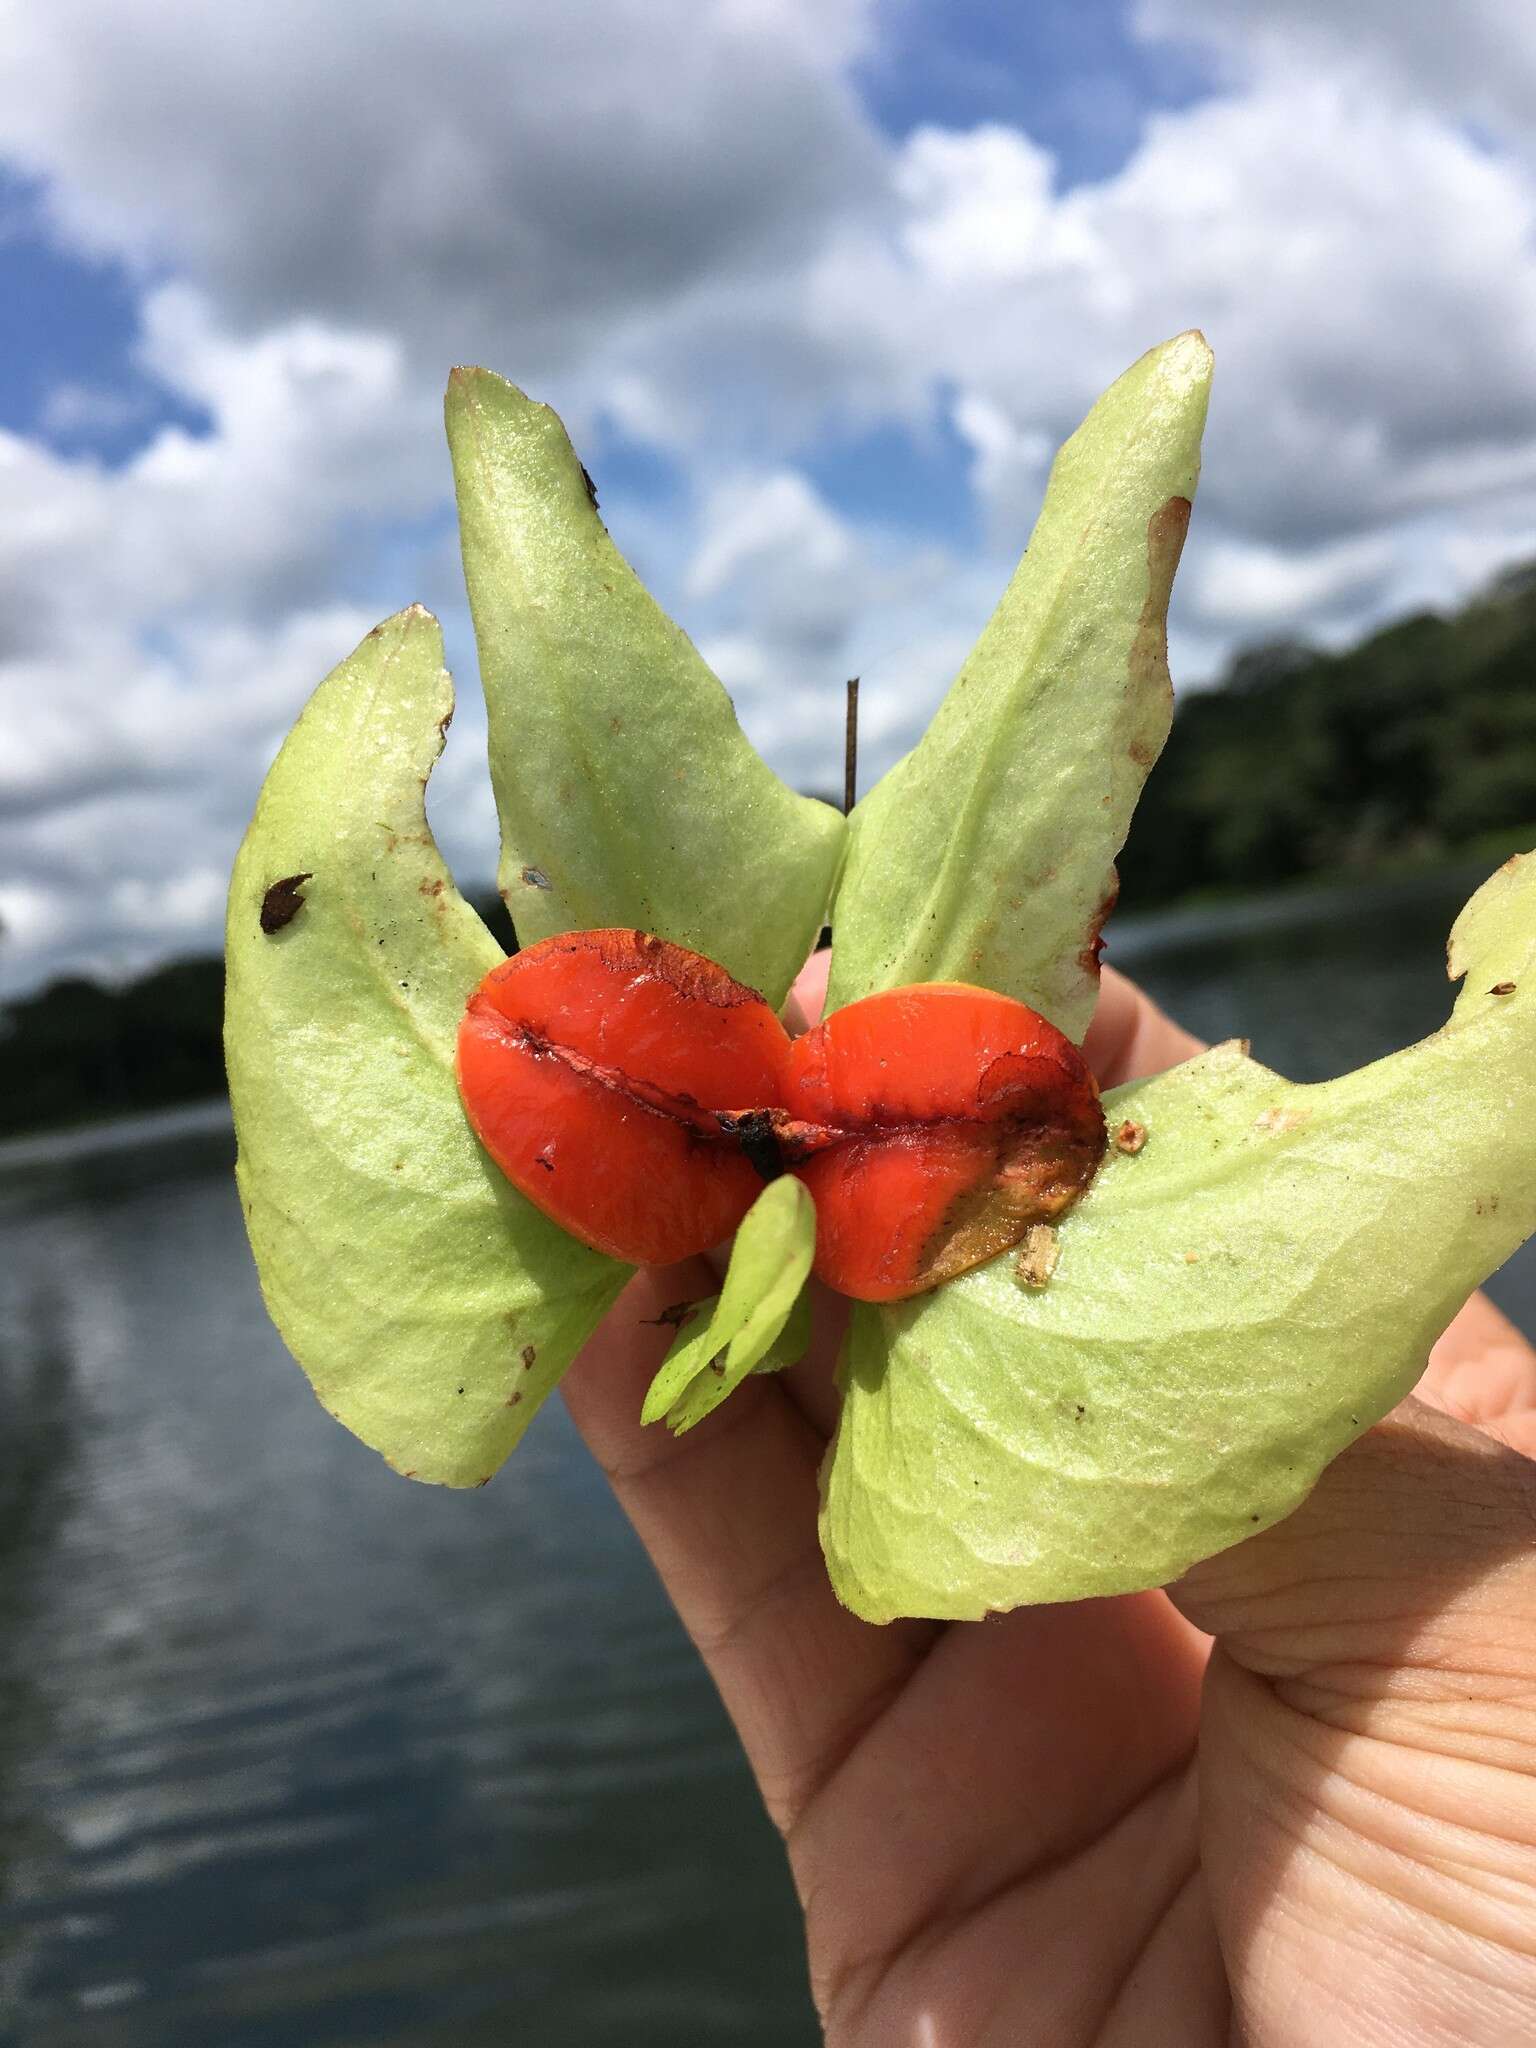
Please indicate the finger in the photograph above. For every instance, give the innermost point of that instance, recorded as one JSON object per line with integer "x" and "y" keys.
{"x": 1021, "y": 1739}
{"x": 1422, "y": 1513}
{"x": 808, "y": 998}
{"x": 1483, "y": 1371}
{"x": 811, "y": 1383}
{"x": 1369, "y": 1741}
{"x": 728, "y": 1514}
{"x": 1130, "y": 1036}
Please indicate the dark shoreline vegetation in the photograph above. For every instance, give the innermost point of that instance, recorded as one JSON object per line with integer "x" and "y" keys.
{"x": 1413, "y": 751}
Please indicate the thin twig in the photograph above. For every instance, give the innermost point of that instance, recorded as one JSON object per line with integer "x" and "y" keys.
{"x": 851, "y": 747}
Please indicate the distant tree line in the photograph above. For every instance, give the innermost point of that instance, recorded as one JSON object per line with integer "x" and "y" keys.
{"x": 78, "y": 1051}
{"x": 1415, "y": 745}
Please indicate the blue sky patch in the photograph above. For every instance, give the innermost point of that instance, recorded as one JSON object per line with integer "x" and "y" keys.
{"x": 69, "y": 332}
{"x": 1068, "y": 72}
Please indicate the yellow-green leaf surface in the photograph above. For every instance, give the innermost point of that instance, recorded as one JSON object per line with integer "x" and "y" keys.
{"x": 987, "y": 855}
{"x": 764, "y": 1282}
{"x": 432, "y": 1307}
{"x": 1231, "y": 1306}
{"x": 628, "y": 793}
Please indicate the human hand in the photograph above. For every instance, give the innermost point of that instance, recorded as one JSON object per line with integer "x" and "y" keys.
{"x": 1000, "y": 1831}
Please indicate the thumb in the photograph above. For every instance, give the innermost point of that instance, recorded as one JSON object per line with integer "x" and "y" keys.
{"x": 1368, "y": 1744}
{"x": 1416, "y": 1546}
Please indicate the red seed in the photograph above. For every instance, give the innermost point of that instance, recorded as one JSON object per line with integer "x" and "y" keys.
{"x": 640, "y": 1097}
{"x": 589, "y": 1066}
{"x": 964, "y": 1118}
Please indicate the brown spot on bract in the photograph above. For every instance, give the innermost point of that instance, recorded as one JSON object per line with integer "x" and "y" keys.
{"x": 1191, "y": 1258}
{"x": 535, "y": 878}
{"x": 588, "y": 486}
{"x": 530, "y": 1358}
{"x": 1037, "y": 1256}
{"x": 1485, "y": 1205}
{"x": 675, "y": 1317}
{"x": 283, "y": 902}
{"x": 432, "y": 888}
{"x": 1088, "y": 958}
{"x": 1282, "y": 1119}
{"x": 1502, "y": 988}
{"x": 1130, "y": 1137}
{"x": 513, "y": 1399}
{"x": 1151, "y": 685}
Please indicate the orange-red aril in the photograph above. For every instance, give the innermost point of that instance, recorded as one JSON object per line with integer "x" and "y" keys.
{"x": 640, "y": 1097}
{"x": 590, "y": 1065}
{"x": 967, "y": 1117}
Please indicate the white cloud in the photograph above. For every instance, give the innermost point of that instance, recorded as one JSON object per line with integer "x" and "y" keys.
{"x": 793, "y": 598}
{"x": 1264, "y": 587}
{"x": 479, "y": 179}
{"x": 677, "y": 221}
{"x": 1475, "y": 59}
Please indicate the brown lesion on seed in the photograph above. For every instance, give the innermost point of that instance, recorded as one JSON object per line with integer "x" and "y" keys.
{"x": 1502, "y": 988}
{"x": 1037, "y": 1174}
{"x": 283, "y": 901}
{"x": 693, "y": 976}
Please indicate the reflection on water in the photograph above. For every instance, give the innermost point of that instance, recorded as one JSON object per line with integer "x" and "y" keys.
{"x": 294, "y": 1755}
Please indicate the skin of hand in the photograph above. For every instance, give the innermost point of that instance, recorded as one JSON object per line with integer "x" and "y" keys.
{"x": 1290, "y": 1802}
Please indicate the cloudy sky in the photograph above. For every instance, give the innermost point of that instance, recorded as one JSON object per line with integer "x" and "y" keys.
{"x": 818, "y": 286}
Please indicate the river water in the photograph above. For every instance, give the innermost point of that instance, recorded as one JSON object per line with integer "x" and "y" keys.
{"x": 294, "y": 1756}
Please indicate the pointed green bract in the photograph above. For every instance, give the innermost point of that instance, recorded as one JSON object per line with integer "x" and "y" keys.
{"x": 764, "y": 1283}
{"x": 793, "y": 1341}
{"x": 987, "y": 855}
{"x": 431, "y": 1305}
{"x": 628, "y": 793}
{"x": 1230, "y": 1307}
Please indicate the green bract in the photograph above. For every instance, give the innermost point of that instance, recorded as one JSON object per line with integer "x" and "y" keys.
{"x": 987, "y": 855}
{"x": 628, "y": 793}
{"x": 430, "y": 1304}
{"x": 1229, "y": 1305}
{"x": 737, "y": 1332}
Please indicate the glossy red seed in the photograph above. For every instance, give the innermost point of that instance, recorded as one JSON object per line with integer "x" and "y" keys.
{"x": 640, "y": 1097}
{"x": 589, "y": 1066}
{"x": 964, "y": 1118}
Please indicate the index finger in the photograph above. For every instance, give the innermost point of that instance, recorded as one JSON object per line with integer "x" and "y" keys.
{"x": 728, "y": 1515}
{"x": 1130, "y": 1037}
